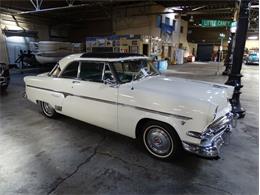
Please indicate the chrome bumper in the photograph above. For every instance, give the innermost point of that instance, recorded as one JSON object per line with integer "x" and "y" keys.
{"x": 211, "y": 141}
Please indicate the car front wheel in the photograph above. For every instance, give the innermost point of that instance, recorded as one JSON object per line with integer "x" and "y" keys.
{"x": 48, "y": 110}
{"x": 160, "y": 140}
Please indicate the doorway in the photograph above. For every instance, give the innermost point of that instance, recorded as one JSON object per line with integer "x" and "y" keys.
{"x": 145, "y": 49}
{"x": 204, "y": 52}
{"x": 170, "y": 52}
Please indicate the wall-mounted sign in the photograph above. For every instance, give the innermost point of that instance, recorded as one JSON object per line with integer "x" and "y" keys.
{"x": 167, "y": 28}
{"x": 215, "y": 23}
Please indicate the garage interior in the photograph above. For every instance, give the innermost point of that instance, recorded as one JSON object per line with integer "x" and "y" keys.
{"x": 198, "y": 40}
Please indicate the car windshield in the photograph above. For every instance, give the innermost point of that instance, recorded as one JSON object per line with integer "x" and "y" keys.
{"x": 134, "y": 70}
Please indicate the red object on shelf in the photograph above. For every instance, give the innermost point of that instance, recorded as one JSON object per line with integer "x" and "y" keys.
{"x": 191, "y": 59}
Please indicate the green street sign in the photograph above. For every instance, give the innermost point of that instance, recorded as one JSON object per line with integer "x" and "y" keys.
{"x": 215, "y": 23}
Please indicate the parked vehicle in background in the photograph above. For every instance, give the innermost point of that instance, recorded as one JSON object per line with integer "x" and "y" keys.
{"x": 126, "y": 94}
{"x": 4, "y": 76}
{"x": 252, "y": 58}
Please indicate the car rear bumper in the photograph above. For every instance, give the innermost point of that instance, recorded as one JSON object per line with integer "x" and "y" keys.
{"x": 210, "y": 145}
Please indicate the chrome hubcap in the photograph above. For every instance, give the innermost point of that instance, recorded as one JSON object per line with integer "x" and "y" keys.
{"x": 47, "y": 108}
{"x": 158, "y": 141}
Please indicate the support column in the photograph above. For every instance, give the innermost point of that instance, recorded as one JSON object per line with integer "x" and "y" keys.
{"x": 3, "y": 48}
{"x": 228, "y": 60}
{"x": 235, "y": 75}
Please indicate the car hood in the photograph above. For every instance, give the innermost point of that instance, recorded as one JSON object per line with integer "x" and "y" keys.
{"x": 213, "y": 93}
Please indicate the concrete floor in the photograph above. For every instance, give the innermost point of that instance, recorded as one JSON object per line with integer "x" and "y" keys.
{"x": 66, "y": 156}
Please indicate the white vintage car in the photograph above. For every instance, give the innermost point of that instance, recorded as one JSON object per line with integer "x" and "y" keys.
{"x": 126, "y": 94}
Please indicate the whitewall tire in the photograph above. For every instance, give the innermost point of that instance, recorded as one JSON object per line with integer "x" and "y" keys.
{"x": 160, "y": 140}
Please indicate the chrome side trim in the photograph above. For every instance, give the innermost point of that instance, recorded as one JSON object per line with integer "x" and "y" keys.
{"x": 194, "y": 134}
{"x": 162, "y": 113}
{"x": 64, "y": 93}
{"x": 116, "y": 103}
{"x": 96, "y": 99}
{"x": 70, "y": 94}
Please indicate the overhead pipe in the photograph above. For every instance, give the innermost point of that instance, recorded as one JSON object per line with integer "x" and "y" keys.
{"x": 197, "y": 8}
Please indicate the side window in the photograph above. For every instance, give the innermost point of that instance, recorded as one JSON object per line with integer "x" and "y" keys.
{"x": 126, "y": 70}
{"x": 173, "y": 24}
{"x": 181, "y": 29}
{"x": 71, "y": 71}
{"x": 108, "y": 74}
{"x": 91, "y": 71}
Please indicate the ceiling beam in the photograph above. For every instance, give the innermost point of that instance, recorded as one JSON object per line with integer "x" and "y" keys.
{"x": 54, "y": 9}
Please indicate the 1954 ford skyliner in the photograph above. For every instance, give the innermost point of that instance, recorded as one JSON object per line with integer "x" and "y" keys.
{"x": 126, "y": 94}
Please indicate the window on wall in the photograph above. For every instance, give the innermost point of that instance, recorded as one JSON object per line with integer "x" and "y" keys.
{"x": 173, "y": 24}
{"x": 181, "y": 29}
{"x": 167, "y": 20}
{"x": 158, "y": 20}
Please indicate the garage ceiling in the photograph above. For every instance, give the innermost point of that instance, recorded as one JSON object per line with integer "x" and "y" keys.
{"x": 90, "y": 8}
{"x": 81, "y": 11}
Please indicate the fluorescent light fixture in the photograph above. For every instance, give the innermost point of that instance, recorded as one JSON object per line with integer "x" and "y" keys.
{"x": 253, "y": 37}
{"x": 177, "y": 8}
{"x": 191, "y": 19}
{"x": 222, "y": 35}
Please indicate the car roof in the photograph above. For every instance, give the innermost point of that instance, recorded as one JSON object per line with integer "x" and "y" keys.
{"x": 100, "y": 57}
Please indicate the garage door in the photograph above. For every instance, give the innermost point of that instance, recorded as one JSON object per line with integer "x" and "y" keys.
{"x": 204, "y": 52}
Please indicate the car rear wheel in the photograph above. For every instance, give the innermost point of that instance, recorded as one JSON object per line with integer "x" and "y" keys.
{"x": 48, "y": 110}
{"x": 160, "y": 140}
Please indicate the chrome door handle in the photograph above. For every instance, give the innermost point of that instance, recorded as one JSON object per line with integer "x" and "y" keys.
{"x": 75, "y": 82}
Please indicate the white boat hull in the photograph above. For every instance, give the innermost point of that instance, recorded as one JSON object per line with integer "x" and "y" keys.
{"x": 51, "y": 57}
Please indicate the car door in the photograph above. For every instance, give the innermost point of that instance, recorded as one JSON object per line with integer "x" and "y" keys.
{"x": 90, "y": 99}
